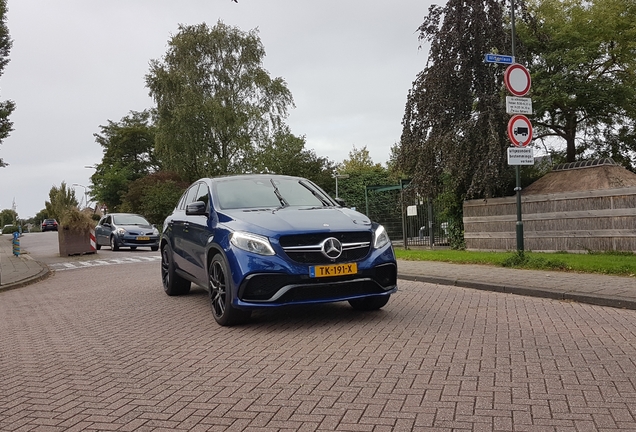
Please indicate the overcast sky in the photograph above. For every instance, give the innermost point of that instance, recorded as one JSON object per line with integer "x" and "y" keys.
{"x": 75, "y": 64}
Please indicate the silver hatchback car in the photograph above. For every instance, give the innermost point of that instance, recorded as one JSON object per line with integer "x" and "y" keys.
{"x": 126, "y": 230}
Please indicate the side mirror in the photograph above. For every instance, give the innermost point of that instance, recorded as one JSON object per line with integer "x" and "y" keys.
{"x": 197, "y": 208}
{"x": 341, "y": 202}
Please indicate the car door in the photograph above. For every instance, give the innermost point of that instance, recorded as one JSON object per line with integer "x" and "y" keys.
{"x": 196, "y": 235}
{"x": 178, "y": 225}
{"x": 102, "y": 231}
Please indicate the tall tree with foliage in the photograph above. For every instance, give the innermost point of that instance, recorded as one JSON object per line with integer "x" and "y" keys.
{"x": 215, "y": 102}
{"x": 6, "y": 107}
{"x": 454, "y": 127}
{"x": 363, "y": 172}
{"x": 286, "y": 154}
{"x": 129, "y": 154}
{"x": 154, "y": 195}
{"x": 582, "y": 57}
{"x": 8, "y": 217}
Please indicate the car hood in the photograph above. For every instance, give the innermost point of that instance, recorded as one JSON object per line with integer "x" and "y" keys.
{"x": 298, "y": 219}
{"x": 135, "y": 227}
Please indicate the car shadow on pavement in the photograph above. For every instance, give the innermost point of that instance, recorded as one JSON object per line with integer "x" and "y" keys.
{"x": 310, "y": 316}
{"x": 298, "y": 316}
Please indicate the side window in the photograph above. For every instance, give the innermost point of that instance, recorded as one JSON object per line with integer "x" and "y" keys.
{"x": 192, "y": 194}
{"x": 181, "y": 205}
{"x": 101, "y": 221}
{"x": 202, "y": 194}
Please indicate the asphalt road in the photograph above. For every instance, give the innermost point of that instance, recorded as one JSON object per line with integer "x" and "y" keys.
{"x": 45, "y": 248}
{"x": 100, "y": 347}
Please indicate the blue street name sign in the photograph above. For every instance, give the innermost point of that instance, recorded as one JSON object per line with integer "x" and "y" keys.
{"x": 496, "y": 58}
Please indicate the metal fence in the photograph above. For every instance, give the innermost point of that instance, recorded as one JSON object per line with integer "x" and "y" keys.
{"x": 409, "y": 219}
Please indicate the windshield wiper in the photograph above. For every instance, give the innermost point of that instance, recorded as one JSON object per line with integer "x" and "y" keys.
{"x": 283, "y": 202}
{"x": 315, "y": 193}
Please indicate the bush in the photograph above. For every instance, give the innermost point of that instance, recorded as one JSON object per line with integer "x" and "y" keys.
{"x": 75, "y": 220}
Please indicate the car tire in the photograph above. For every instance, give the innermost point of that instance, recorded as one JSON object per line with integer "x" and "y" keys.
{"x": 219, "y": 285}
{"x": 114, "y": 245}
{"x": 173, "y": 284}
{"x": 154, "y": 248}
{"x": 369, "y": 303}
{"x": 98, "y": 246}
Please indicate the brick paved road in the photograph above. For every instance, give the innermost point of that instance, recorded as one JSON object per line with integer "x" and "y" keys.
{"x": 103, "y": 348}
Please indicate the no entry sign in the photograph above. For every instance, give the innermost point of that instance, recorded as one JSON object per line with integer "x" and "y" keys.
{"x": 517, "y": 79}
{"x": 520, "y": 130}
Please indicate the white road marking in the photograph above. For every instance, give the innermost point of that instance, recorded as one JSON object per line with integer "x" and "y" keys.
{"x": 97, "y": 263}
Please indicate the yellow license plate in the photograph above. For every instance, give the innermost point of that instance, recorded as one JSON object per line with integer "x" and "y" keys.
{"x": 143, "y": 238}
{"x": 333, "y": 270}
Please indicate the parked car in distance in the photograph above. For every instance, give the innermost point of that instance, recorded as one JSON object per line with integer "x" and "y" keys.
{"x": 9, "y": 229}
{"x": 263, "y": 241}
{"x": 49, "y": 225}
{"x": 126, "y": 230}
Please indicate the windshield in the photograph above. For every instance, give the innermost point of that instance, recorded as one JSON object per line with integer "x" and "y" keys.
{"x": 129, "y": 219}
{"x": 269, "y": 192}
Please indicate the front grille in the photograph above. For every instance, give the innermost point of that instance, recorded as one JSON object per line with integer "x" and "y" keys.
{"x": 262, "y": 287}
{"x": 315, "y": 293}
{"x": 306, "y": 248}
{"x": 140, "y": 233}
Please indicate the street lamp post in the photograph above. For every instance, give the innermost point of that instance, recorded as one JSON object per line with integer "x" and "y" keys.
{"x": 85, "y": 194}
{"x": 337, "y": 176}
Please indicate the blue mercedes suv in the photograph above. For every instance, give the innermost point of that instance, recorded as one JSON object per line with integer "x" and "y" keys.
{"x": 262, "y": 241}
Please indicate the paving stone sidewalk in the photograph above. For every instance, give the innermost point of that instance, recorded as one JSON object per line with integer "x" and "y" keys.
{"x": 615, "y": 291}
{"x": 18, "y": 271}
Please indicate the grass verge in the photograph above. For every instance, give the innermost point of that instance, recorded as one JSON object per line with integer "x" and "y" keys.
{"x": 610, "y": 263}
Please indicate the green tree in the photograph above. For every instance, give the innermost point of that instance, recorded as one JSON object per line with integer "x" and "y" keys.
{"x": 8, "y": 217}
{"x": 128, "y": 147}
{"x": 160, "y": 199}
{"x": 40, "y": 216}
{"x": 363, "y": 172}
{"x": 359, "y": 160}
{"x": 286, "y": 154}
{"x": 454, "y": 127}
{"x": 154, "y": 195}
{"x": 216, "y": 104}
{"x": 6, "y": 107}
{"x": 582, "y": 57}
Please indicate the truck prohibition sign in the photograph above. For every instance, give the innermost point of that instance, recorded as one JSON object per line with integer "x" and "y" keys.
{"x": 520, "y": 130}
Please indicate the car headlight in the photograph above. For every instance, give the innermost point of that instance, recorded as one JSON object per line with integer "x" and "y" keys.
{"x": 252, "y": 243}
{"x": 380, "y": 237}
{"x": 121, "y": 231}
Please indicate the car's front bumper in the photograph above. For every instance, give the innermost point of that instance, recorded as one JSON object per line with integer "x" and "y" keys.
{"x": 263, "y": 282}
{"x": 134, "y": 241}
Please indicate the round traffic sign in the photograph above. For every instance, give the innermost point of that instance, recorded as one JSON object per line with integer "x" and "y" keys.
{"x": 517, "y": 79}
{"x": 520, "y": 130}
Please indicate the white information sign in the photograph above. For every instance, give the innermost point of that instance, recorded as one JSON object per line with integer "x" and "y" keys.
{"x": 411, "y": 211}
{"x": 518, "y": 105}
{"x": 520, "y": 156}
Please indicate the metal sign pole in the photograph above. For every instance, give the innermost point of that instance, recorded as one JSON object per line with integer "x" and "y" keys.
{"x": 519, "y": 225}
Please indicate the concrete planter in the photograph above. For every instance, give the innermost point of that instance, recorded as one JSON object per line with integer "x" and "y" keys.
{"x": 75, "y": 242}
